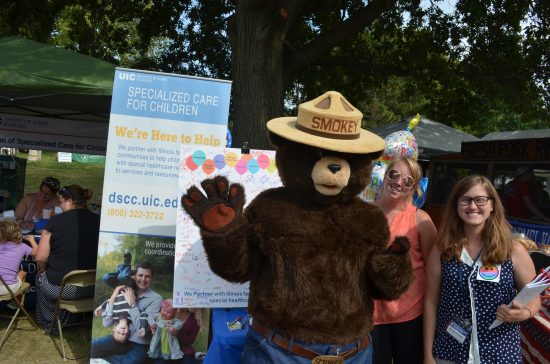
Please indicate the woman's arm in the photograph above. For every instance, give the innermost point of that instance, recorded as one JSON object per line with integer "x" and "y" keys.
{"x": 22, "y": 207}
{"x": 43, "y": 252}
{"x": 427, "y": 233}
{"x": 431, "y": 301}
{"x": 524, "y": 272}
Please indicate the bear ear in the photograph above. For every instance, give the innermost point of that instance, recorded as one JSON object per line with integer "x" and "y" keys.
{"x": 277, "y": 140}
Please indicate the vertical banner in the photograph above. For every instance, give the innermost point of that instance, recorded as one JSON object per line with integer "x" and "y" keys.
{"x": 152, "y": 116}
{"x": 195, "y": 285}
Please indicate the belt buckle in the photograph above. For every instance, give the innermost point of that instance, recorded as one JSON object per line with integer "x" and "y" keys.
{"x": 328, "y": 359}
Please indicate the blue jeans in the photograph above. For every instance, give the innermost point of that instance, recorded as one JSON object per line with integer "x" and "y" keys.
{"x": 135, "y": 354}
{"x": 105, "y": 346}
{"x": 260, "y": 350}
{"x": 123, "y": 275}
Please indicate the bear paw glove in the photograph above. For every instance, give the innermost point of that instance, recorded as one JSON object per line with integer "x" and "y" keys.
{"x": 219, "y": 209}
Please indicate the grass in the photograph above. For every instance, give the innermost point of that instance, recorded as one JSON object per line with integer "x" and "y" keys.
{"x": 87, "y": 175}
{"x": 26, "y": 345}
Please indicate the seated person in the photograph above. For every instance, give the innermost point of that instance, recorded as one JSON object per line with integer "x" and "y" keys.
{"x": 11, "y": 254}
{"x": 33, "y": 204}
{"x": 68, "y": 242}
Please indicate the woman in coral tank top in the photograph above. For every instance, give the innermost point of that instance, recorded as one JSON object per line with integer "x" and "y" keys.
{"x": 397, "y": 335}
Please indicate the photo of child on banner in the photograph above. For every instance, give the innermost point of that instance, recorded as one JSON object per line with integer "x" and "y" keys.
{"x": 135, "y": 320}
{"x": 398, "y": 144}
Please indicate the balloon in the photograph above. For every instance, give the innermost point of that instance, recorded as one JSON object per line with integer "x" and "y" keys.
{"x": 419, "y": 201}
{"x": 400, "y": 144}
{"x": 376, "y": 180}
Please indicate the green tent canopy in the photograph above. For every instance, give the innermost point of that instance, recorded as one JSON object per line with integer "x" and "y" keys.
{"x": 42, "y": 80}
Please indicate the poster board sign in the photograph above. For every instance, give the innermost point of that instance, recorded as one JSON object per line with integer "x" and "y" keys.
{"x": 195, "y": 285}
{"x": 152, "y": 115}
{"x": 59, "y": 135}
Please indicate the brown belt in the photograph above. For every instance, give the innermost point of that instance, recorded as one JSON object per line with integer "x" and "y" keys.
{"x": 283, "y": 342}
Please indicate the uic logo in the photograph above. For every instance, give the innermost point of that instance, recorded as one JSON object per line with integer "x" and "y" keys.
{"x": 127, "y": 76}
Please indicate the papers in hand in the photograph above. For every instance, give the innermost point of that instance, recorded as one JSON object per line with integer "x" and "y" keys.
{"x": 529, "y": 291}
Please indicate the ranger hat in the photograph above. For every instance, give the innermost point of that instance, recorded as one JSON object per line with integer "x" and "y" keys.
{"x": 329, "y": 122}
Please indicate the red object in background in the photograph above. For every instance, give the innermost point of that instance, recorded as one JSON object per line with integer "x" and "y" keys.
{"x": 535, "y": 335}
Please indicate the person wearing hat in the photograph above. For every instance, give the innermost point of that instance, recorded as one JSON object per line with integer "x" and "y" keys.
{"x": 518, "y": 197}
{"x": 315, "y": 254}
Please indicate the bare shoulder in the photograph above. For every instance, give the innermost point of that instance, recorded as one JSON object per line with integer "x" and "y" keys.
{"x": 520, "y": 256}
{"x": 422, "y": 216}
{"x": 518, "y": 249}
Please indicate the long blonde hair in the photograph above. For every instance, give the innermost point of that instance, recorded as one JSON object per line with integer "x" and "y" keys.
{"x": 496, "y": 234}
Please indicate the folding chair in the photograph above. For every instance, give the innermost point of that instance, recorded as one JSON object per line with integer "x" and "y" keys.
{"x": 13, "y": 296}
{"x": 81, "y": 278}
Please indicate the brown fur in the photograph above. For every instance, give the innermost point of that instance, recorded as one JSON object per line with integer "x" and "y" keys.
{"x": 314, "y": 262}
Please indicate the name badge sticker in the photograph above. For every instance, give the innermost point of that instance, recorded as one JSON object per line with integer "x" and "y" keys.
{"x": 489, "y": 273}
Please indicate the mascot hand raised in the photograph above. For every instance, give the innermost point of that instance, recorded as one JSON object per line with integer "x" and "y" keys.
{"x": 219, "y": 209}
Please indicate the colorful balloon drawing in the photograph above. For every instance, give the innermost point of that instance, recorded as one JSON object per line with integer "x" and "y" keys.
{"x": 219, "y": 161}
{"x": 208, "y": 166}
{"x": 231, "y": 159}
{"x": 263, "y": 161}
{"x": 272, "y": 166}
{"x": 241, "y": 167}
{"x": 199, "y": 156}
{"x": 253, "y": 166}
{"x": 190, "y": 164}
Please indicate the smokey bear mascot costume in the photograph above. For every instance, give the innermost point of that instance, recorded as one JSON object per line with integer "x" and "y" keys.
{"x": 315, "y": 254}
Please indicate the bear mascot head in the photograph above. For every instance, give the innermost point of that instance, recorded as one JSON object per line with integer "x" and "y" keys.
{"x": 315, "y": 253}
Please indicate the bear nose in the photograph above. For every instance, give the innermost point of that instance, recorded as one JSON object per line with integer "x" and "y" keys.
{"x": 334, "y": 168}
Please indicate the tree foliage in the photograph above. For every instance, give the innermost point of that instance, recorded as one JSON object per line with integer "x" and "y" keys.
{"x": 483, "y": 67}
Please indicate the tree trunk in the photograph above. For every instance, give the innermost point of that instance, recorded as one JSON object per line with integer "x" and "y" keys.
{"x": 257, "y": 33}
{"x": 257, "y": 65}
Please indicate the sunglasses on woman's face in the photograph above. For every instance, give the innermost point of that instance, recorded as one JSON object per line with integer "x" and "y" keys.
{"x": 394, "y": 175}
{"x": 64, "y": 192}
{"x": 51, "y": 182}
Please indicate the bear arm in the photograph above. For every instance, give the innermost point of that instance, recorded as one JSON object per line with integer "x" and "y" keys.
{"x": 228, "y": 253}
{"x": 390, "y": 271}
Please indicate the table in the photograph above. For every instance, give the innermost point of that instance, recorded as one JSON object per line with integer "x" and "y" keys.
{"x": 226, "y": 346}
{"x": 535, "y": 336}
